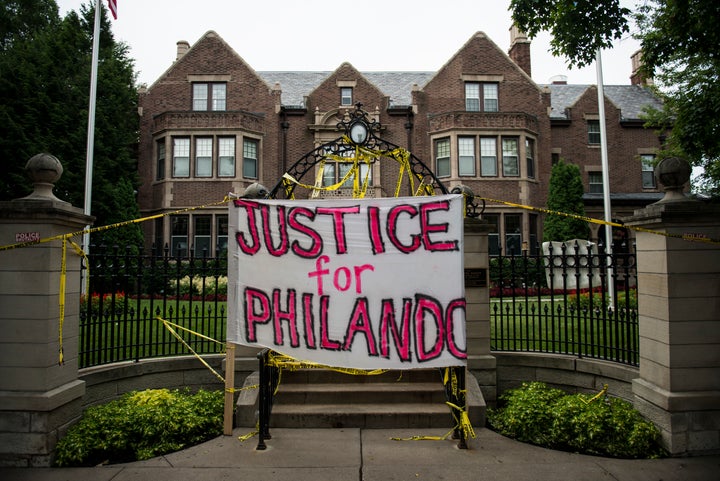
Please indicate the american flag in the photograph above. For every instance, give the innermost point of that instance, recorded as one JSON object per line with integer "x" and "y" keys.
{"x": 112, "y": 5}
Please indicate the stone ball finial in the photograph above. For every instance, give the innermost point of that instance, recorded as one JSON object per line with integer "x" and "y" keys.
{"x": 43, "y": 170}
{"x": 673, "y": 173}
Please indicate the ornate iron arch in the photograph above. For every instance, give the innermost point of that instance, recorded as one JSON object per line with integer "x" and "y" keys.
{"x": 360, "y": 133}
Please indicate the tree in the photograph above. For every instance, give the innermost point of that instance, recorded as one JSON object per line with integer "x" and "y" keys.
{"x": 123, "y": 207}
{"x": 681, "y": 49}
{"x": 24, "y": 19}
{"x": 565, "y": 195}
{"x": 578, "y": 27}
{"x": 44, "y": 87}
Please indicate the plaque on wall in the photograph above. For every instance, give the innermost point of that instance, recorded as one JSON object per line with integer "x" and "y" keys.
{"x": 475, "y": 277}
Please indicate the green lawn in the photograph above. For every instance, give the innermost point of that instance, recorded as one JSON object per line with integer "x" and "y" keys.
{"x": 547, "y": 326}
{"x": 134, "y": 331}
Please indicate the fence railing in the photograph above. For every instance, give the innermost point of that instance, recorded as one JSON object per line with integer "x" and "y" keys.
{"x": 566, "y": 299}
{"x": 130, "y": 292}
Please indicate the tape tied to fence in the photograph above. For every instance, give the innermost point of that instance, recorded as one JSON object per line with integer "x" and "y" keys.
{"x": 592, "y": 220}
{"x": 364, "y": 156}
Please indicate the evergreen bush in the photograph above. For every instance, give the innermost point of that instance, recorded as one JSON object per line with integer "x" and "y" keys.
{"x": 583, "y": 423}
{"x": 141, "y": 425}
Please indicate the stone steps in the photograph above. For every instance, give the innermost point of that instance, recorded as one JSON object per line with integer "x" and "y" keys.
{"x": 318, "y": 398}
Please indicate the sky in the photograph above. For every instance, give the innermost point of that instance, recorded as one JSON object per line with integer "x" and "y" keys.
{"x": 319, "y": 35}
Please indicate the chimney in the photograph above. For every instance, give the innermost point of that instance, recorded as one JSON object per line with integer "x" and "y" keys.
{"x": 558, "y": 80}
{"x": 182, "y": 47}
{"x": 637, "y": 77}
{"x": 520, "y": 49}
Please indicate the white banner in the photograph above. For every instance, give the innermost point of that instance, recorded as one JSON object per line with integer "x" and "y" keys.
{"x": 367, "y": 284}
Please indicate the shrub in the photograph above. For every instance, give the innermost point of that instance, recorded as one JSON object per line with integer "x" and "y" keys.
{"x": 199, "y": 285}
{"x": 106, "y": 301}
{"x": 141, "y": 425}
{"x": 623, "y": 300}
{"x": 605, "y": 426}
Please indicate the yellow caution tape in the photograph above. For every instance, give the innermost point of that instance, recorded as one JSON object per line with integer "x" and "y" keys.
{"x": 687, "y": 237}
{"x": 597, "y": 396}
{"x": 109, "y": 226}
{"x": 247, "y": 436}
{"x": 170, "y": 326}
{"x": 283, "y": 361}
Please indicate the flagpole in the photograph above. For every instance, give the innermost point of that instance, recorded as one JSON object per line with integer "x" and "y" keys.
{"x": 91, "y": 133}
{"x": 605, "y": 174}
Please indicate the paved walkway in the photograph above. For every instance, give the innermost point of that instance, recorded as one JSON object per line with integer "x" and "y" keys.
{"x": 370, "y": 455}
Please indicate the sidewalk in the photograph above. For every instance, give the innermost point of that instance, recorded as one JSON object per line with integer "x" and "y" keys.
{"x": 370, "y": 455}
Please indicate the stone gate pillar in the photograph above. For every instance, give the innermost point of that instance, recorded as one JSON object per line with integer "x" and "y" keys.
{"x": 38, "y": 397}
{"x": 679, "y": 314}
{"x": 477, "y": 295}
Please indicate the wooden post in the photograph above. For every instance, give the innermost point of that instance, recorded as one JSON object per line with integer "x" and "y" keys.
{"x": 229, "y": 389}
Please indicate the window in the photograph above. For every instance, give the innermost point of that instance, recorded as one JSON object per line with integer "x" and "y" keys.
{"x": 648, "y": 171}
{"x": 511, "y": 168}
{"x": 201, "y": 239}
{"x": 346, "y": 96}
{"x": 159, "y": 241}
{"x": 209, "y": 96}
{"x": 203, "y": 157}
{"x": 487, "y": 102}
{"x": 490, "y": 97}
{"x": 494, "y": 234}
{"x": 442, "y": 158}
{"x": 218, "y": 97}
{"x": 595, "y": 181}
{"x": 513, "y": 234}
{"x": 222, "y": 234}
{"x": 342, "y": 168}
{"x": 534, "y": 246}
{"x": 488, "y": 157}
{"x": 530, "y": 157}
{"x": 328, "y": 174}
{"x": 200, "y": 96}
{"x": 593, "y": 127}
{"x": 226, "y": 157}
{"x": 181, "y": 157}
{"x": 202, "y": 235}
{"x": 160, "y": 159}
{"x": 466, "y": 156}
{"x": 179, "y": 235}
{"x": 250, "y": 159}
{"x": 554, "y": 158}
{"x": 472, "y": 97}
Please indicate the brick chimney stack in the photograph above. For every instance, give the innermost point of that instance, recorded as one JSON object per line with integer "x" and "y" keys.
{"x": 182, "y": 47}
{"x": 520, "y": 49}
{"x": 637, "y": 77}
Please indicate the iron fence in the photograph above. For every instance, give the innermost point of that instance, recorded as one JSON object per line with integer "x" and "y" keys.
{"x": 567, "y": 298}
{"x": 131, "y": 293}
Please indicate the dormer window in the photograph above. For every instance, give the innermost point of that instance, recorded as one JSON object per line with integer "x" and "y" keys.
{"x": 346, "y": 96}
{"x": 209, "y": 96}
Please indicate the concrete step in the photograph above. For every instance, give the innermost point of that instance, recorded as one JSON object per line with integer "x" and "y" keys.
{"x": 317, "y": 398}
{"x": 366, "y": 415}
{"x": 319, "y": 376}
{"x": 360, "y": 393}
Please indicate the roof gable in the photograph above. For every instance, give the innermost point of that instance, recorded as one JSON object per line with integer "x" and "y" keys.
{"x": 210, "y": 54}
{"x": 631, "y": 100}
{"x": 481, "y": 55}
